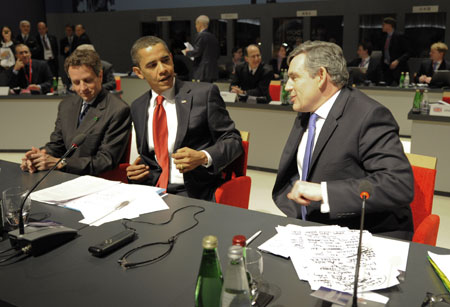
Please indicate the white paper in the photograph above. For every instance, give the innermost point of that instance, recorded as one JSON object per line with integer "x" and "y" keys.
{"x": 443, "y": 263}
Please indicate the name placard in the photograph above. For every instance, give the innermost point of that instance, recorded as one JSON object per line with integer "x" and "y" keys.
{"x": 425, "y": 9}
{"x": 163, "y": 18}
{"x": 229, "y": 16}
{"x": 308, "y": 13}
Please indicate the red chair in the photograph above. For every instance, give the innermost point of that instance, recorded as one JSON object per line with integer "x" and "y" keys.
{"x": 120, "y": 172}
{"x": 426, "y": 224}
{"x": 236, "y": 190}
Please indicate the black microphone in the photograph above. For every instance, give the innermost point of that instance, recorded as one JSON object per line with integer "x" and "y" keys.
{"x": 36, "y": 242}
{"x": 365, "y": 191}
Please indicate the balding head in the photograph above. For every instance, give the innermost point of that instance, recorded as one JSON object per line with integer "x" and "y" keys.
{"x": 201, "y": 23}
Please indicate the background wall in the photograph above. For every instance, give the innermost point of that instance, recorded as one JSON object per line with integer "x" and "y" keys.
{"x": 12, "y": 12}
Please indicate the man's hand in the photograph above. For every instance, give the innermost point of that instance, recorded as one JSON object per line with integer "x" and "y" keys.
{"x": 19, "y": 65}
{"x": 424, "y": 79}
{"x": 34, "y": 87}
{"x": 187, "y": 159}
{"x": 41, "y": 160}
{"x": 237, "y": 90}
{"x": 137, "y": 171}
{"x": 394, "y": 64}
{"x": 27, "y": 165}
{"x": 184, "y": 51}
{"x": 304, "y": 192}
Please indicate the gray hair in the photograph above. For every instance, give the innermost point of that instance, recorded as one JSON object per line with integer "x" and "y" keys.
{"x": 24, "y": 22}
{"x": 203, "y": 19}
{"x": 86, "y": 47}
{"x": 144, "y": 42}
{"x": 323, "y": 54}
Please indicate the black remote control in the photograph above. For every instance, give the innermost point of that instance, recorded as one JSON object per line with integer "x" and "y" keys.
{"x": 115, "y": 242}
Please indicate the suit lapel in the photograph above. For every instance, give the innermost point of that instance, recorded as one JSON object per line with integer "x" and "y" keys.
{"x": 330, "y": 125}
{"x": 94, "y": 114}
{"x": 183, "y": 104}
{"x": 143, "y": 150}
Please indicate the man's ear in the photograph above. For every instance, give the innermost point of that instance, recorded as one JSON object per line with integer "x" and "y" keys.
{"x": 322, "y": 74}
{"x": 138, "y": 72}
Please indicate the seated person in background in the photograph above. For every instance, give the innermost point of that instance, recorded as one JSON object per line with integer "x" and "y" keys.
{"x": 33, "y": 75}
{"x": 235, "y": 60}
{"x": 279, "y": 61}
{"x": 253, "y": 77}
{"x": 368, "y": 66}
{"x": 109, "y": 82}
{"x": 435, "y": 62}
{"x": 102, "y": 116}
{"x": 7, "y": 59}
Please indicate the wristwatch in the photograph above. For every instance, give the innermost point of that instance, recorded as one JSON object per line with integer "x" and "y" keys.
{"x": 63, "y": 163}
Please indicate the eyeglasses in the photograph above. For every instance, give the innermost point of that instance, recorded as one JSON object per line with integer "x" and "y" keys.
{"x": 431, "y": 299}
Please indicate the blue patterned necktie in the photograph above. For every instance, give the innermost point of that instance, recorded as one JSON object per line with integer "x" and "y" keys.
{"x": 83, "y": 112}
{"x": 308, "y": 153}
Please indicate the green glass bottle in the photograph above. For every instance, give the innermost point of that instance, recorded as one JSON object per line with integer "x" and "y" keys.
{"x": 55, "y": 85}
{"x": 210, "y": 279}
{"x": 416, "y": 102}
{"x": 401, "y": 83}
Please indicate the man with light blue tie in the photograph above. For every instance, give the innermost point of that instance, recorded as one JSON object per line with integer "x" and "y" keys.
{"x": 434, "y": 63}
{"x": 339, "y": 138}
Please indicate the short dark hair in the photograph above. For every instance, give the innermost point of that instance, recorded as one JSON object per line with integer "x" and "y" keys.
{"x": 144, "y": 42}
{"x": 84, "y": 57}
{"x": 21, "y": 45}
{"x": 390, "y": 21}
{"x": 366, "y": 46}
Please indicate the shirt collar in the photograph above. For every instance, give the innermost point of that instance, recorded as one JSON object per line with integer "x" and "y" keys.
{"x": 168, "y": 94}
{"x": 325, "y": 108}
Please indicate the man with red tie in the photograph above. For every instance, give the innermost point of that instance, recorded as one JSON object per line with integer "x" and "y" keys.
{"x": 184, "y": 134}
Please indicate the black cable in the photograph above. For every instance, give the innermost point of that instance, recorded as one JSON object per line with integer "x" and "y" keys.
{"x": 6, "y": 250}
{"x": 171, "y": 241}
{"x": 18, "y": 253}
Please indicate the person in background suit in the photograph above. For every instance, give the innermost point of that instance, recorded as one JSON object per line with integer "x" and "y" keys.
{"x": 353, "y": 138}
{"x": 435, "y": 62}
{"x": 47, "y": 48}
{"x": 184, "y": 134}
{"x": 368, "y": 66}
{"x": 7, "y": 59}
{"x": 25, "y": 37}
{"x": 67, "y": 43}
{"x": 30, "y": 74}
{"x": 82, "y": 37}
{"x": 109, "y": 82}
{"x": 395, "y": 53}
{"x": 253, "y": 77}
{"x": 279, "y": 61}
{"x": 205, "y": 53}
{"x": 236, "y": 59}
{"x": 103, "y": 117}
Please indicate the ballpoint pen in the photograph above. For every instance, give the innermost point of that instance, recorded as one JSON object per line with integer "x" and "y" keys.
{"x": 249, "y": 240}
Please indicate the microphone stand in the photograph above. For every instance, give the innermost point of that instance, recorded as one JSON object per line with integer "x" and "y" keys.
{"x": 358, "y": 258}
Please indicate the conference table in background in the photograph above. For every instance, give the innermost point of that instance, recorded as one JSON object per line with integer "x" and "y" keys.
{"x": 70, "y": 276}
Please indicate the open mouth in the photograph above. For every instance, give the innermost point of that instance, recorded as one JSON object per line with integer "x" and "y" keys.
{"x": 165, "y": 78}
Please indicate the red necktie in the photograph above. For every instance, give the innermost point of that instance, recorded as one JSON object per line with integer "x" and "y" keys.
{"x": 160, "y": 136}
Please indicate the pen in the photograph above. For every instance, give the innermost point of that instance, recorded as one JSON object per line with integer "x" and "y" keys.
{"x": 118, "y": 207}
{"x": 249, "y": 240}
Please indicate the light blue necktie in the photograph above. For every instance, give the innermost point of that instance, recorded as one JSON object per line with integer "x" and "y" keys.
{"x": 308, "y": 153}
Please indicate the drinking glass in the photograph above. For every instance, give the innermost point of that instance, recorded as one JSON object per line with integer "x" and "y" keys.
{"x": 12, "y": 199}
{"x": 254, "y": 265}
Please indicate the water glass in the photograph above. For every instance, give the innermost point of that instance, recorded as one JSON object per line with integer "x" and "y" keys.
{"x": 254, "y": 265}
{"x": 12, "y": 199}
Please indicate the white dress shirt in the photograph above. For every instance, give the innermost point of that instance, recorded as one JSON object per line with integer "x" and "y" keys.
{"x": 322, "y": 113}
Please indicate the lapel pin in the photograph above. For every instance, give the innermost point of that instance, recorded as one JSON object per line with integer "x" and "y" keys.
{"x": 96, "y": 118}
{"x": 183, "y": 101}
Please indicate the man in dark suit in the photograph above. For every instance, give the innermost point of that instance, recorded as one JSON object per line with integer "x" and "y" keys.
{"x": 82, "y": 37}
{"x": 47, "y": 48}
{"x": 25, "y": 37}
{"x": 67, "y": 43}
{"x": 367, "y": 65}
{"x": 252, "y": 78}
{"x": 103, "y": 117}
{"x": 395, "y": 53}
{"x": 434, "y": 63}
{"x": 340, "y": 138}
{"x": 184, "y": 134}
{"x": 205, "y": 52}
{"x": 30, "y": 74}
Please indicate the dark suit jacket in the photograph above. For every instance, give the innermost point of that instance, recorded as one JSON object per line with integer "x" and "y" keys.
{"x": 53, "y": 45}
{"x": 372, "y": 72}
{"x": 203, "y": 124}
{"x": 274, "y": 63}
{"x": 63, "y": 43}
{"x": 107, "y": 125}
{"x": 83, "y": 39}
{"x": 109, "y": 82}
{"x": 40, "y": 75}
{"x": 31, "y": 43}
{"x": 398, "y": 50}
{"x": 426, "y": 68}
{"x": 206, "y": 54}
{"x": 359, "y": 140}
{"x": 255, "y": 85}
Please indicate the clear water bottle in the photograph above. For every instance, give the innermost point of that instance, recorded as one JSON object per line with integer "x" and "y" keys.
{"x": 60, "y": 86}
{"x": 425, "y": 104}
{"x": 235, "y": 290}
{"x": 209, "y": 280}
{"x": 406, "y": 81}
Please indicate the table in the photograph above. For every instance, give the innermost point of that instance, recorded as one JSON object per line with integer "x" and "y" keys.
{"x": 70, "y": 276}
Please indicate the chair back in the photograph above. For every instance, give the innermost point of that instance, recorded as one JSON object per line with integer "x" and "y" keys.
{"x": 119, "y": 173}
{"x": 424, "y": 170}
{"x": 238, "y": 167}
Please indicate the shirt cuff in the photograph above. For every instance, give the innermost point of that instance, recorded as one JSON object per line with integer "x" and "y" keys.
{"x": 324, "y": 206}
{"x": 209, "y": 159}
{"x": 16, "y": 72}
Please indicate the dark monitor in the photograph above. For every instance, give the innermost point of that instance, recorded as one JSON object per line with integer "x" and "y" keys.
{"x": 357, "y": 75}
{"x": 441, "y": 78}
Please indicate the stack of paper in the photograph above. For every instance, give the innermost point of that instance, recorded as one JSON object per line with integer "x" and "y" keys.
{"x": 100, "y": 200}
{"x": 325, "y": 256}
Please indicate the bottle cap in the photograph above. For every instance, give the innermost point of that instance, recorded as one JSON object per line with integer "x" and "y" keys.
{"x": 239, "y": 240}
{"x": 210, "y": 242}
{"x": 235, "y": 252}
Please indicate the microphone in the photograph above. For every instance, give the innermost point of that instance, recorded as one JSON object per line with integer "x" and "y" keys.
{"x": 39, "y": 240}
{"x": 365, "y": 191}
